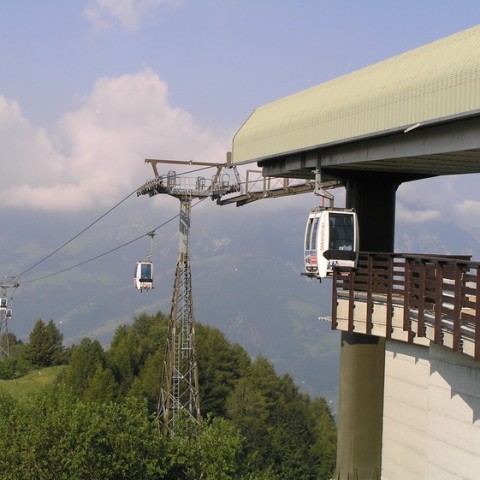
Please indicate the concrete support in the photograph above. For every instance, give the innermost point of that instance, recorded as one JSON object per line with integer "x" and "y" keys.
{"x": 362, "y": 358}
{"x": 359, "y": 449}
{"x": 374, "y": 201}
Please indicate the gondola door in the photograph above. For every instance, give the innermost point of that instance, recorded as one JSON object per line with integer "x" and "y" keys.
{"x": 310, "y": 254}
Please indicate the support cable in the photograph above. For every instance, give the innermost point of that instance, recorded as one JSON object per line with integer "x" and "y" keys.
{"x": 109, "y": 251}
{"x": 91, "y": 225}
{"x": 75, "y": 237}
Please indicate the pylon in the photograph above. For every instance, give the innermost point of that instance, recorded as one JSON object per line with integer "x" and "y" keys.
{"x": 179, "y": 383}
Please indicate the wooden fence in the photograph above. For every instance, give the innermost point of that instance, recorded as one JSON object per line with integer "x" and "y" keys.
{"x": 436, "y": 291}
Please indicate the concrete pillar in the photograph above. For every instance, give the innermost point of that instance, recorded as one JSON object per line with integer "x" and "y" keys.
{"x": 360, "y": 411}
{"x": 374, "y": 202}
{"x": 362, "y": 357}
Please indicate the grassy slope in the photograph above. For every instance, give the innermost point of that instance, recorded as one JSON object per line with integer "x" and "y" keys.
{"x": 32, "y": 382}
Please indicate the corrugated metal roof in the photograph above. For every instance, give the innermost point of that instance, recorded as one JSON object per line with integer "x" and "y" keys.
{"x": 435, "y": 81}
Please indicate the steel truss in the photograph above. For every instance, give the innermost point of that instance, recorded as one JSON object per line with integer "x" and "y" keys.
{"x": 179, "y": 385}
{"x": 5, "y": 317}
{"x": 4, "y": 340}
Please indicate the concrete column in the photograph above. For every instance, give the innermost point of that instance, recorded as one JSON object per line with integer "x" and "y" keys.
{"x": 360, "y": 412}
{"x": 374, "y": 202}
{"x": 362, "y": 357}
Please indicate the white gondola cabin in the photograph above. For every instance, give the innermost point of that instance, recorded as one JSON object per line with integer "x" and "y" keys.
{"x": 3, "y": 303}
{"x": 331, "y": 240}
{"x": 143, "y": 275}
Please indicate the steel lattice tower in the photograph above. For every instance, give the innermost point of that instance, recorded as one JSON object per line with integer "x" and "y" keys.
{"x": 179, "y": 383}
{"x": 179, "y": 392}
{"x": 4, "y": 344}
{"x": 5, "y": 317}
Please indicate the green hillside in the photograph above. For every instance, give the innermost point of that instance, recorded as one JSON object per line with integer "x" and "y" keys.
{"x": 33, "y": 381}
{"x": 100, "y": 421}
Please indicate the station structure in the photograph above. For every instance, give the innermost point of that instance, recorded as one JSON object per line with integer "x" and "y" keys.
{"x": 409, "y": 390}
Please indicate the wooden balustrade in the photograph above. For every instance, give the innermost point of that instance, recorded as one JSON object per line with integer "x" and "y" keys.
{"x": 438, "y": 294}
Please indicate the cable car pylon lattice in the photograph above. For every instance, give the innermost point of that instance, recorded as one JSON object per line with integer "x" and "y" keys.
{"x": 179, "y": 387}
{"x": 6, "y": 314}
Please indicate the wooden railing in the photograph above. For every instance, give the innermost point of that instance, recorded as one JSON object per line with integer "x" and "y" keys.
{"x": 436, "y": 292}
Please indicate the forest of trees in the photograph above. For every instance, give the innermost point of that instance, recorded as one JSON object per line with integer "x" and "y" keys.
{"x": 98, "y": 420}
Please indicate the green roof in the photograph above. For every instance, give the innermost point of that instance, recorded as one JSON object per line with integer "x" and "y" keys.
{"x": 437, "y": 81}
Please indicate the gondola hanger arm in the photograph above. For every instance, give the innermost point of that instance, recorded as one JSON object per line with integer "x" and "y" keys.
{"x": 321, "y": 192}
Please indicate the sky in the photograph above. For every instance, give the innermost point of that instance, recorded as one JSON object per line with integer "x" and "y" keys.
{"x": 90, "y": 88}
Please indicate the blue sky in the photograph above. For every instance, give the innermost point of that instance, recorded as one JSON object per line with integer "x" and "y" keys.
{"x": 89, "y": 88}
{"x": 219, "y": 58}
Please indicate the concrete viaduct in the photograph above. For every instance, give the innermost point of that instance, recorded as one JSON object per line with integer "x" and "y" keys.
{"x": 409, "y": 405}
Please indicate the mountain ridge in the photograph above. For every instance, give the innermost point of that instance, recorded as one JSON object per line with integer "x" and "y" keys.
{"x": 246, "y": 281}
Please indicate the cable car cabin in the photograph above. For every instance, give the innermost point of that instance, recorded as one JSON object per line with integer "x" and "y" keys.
{"x": 8, "y": 314}
{"x": 143, "y": 276}
{"x": 3, "y": 303}
{"x": 331, "y": 240}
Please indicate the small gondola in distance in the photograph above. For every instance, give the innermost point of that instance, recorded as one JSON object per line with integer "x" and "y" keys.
{"x": 143, "y": 275}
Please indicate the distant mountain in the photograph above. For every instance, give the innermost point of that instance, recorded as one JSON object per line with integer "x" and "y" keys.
{"x": 437, "y": 237}
{"x": 246, "y": 281}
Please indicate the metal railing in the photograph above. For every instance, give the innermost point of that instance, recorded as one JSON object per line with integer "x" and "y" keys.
{"x": 437, "y": 292}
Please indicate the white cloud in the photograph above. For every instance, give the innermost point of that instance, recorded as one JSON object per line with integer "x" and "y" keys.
{"x": 27, "y": 152}
{"x": 455, "y": 197}
{"x": 403, "y": 214}
{"x": 469, "y": 209}
{"x": 104, "y": 143}
{"x": 429, "y": 194}
{"x": 467, "y": 215}
{"x": 127, "y": 12}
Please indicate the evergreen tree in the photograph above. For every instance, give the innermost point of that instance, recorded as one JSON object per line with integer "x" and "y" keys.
{"x": 124, "y": 357}
{"x": 280, "y": 426}
{"x": 86, "y": 359}
{"x": 44, "y": 346}
{"x": 132, "y": 345}
{"x": 220, "y": 364}
{"x": 249, "y": 407}
{"x": 325, "y": 433}
{"x": 147, "y": 384}
{"x": 101, "y": 387}
{"x": 56, "y": 339}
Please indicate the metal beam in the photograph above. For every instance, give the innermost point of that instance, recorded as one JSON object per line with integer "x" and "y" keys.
{"x": 429, "y": 150}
